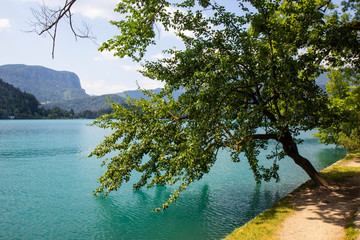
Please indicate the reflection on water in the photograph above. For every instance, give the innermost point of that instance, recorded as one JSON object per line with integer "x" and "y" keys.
{"x": 204, "y": 199}
{"x": 325, "y": 156}
{"x": 46, "y": 191}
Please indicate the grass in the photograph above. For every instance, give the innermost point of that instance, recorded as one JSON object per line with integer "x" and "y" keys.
{"x": 351, "y": 233}
{"x": 353, "y": 154}
{"x": 266, "y": 225}
{"x": 339, "y": 172}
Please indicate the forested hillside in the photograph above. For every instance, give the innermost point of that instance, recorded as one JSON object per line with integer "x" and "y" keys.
{"x": 19, "y": 105}
{"x": 94, "y": 103}
{"x": 45, "y": 84}
{"x": 13, "y": 102}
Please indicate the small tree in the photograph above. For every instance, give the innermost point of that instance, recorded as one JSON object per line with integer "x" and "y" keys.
{"x": 342, "y": 123}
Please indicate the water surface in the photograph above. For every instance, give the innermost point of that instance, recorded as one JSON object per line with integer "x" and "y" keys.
{"x": 46, "y": 185}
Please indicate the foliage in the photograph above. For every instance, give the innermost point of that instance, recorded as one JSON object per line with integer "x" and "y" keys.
{"x": 88, "y": 114}
{"x": 138, "y": 94}
{"x": 248, "y": 75}
{"x": 248, "y": 72}
{"x": 59, "y": 113}
{"x": 20, "y": 105}
{"x": 13, "y": 102}
{"x": 342, "y": 125}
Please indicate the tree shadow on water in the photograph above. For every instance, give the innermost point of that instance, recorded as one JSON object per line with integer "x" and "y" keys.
{"x": 261, "y": 200}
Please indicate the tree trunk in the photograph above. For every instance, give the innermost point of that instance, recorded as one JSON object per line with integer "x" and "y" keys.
{"x": 291, "y": 150}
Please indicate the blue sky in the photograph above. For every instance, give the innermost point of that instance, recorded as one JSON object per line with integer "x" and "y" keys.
{"x": 99, "y": 73}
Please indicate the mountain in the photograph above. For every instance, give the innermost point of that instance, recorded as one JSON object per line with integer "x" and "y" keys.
{"x": 45, "y": 84}
{"x": 63, "y": 89}
{"x": 94, "y": 103}
{"x": 13, "y": 102}
{"x": 138, "y": 94}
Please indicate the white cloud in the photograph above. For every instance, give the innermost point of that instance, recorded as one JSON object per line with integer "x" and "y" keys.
{"x": 101, "y": 87}
{"x": 4, "y": 24}
{"x": 91, "y": 12}
{"x": 96, "y": 9}
{"x": 172, "y": 32}
{"x": 131, "y": 68}
{"x": 158, "y": 56}
{"x": 147, "y": 83}
{"x": 106, "y": 55}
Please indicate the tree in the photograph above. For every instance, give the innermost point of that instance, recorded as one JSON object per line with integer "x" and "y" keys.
{"x": 342, "y": 123}
{"x": 248, "y": 78}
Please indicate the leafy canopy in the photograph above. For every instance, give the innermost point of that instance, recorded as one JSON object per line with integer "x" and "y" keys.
{"x": 342, "y": 124}
{"x": 247, "y": 73}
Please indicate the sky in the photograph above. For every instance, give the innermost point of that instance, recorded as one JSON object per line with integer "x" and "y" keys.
{"x": 99, "y": 72}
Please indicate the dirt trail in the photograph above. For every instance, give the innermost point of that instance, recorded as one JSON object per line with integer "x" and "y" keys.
{"x": 322, "y": 214}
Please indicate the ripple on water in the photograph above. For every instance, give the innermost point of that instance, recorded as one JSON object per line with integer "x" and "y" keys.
{"x": 46, "y": 191}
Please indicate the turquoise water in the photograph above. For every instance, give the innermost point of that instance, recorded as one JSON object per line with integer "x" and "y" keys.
{"x": 46, "y": 185}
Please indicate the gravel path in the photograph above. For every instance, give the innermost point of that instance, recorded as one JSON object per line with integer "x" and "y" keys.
{"x": 322, "y": 214}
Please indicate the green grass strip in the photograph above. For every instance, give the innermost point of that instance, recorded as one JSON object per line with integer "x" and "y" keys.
{"x": 267, "y": 224}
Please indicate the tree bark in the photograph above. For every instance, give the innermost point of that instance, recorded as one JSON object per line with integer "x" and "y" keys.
{"x": 291, "y": 150}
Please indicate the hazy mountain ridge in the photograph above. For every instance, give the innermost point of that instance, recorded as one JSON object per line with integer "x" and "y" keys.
{"x": 63, "y": 89}
{"x": 138, "y": 94}
{"x": 93, "y": 103}
{"x": 46, "y": 84}
{"x": 96, "y": 103}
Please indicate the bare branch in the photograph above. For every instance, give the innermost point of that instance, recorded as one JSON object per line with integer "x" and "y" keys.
{"x": 47, "y": 21}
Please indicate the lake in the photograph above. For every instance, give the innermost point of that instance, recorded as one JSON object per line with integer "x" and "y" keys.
{"x": 46, "y": 185}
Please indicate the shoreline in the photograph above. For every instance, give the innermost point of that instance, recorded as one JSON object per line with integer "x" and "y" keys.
{"x": 270, "y": 223}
